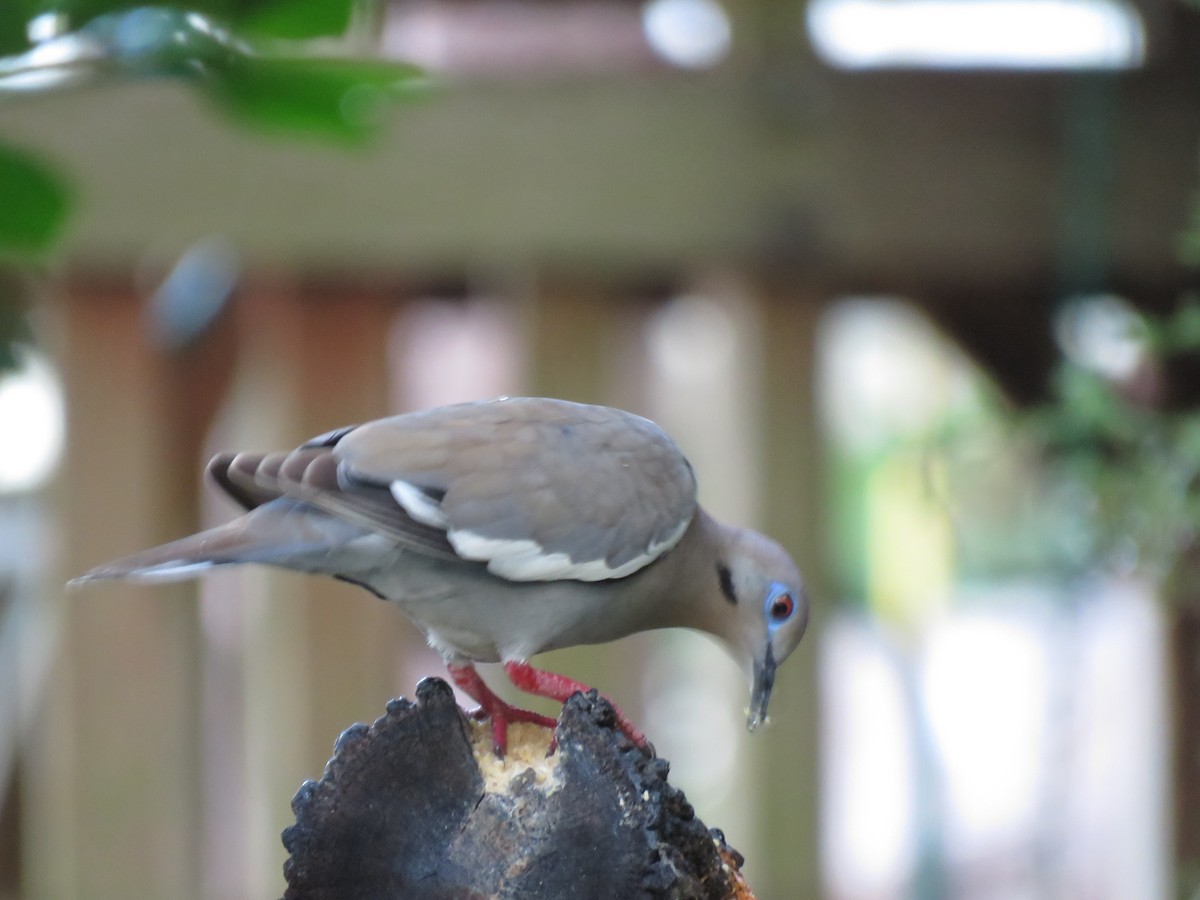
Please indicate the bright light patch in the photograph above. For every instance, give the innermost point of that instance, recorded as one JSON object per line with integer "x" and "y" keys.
{"x": 692, "y": 34}
{"x": 985, "y": 682}
{"x": 1104, "y": 334}
{"x": 31, "y": 424}
{"x": 1016, "y": 34}
{"x": 868, "y": 840}
{"x": 46, "y": 26}
{"x": 692, "y": 339}
{"x": 887, "y": 373}
{"x": 54, "y": 63}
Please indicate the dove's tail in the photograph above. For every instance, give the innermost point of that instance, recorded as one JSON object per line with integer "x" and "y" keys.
{"x": 178, "y": 560}
{"x": 280, "y": 533}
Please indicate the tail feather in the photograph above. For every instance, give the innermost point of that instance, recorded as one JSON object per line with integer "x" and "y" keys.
{"x": 178, "y": 560}
{"x": 282, "y": 532}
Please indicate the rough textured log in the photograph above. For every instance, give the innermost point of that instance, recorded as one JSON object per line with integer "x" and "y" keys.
{"x": 416, "y": 804}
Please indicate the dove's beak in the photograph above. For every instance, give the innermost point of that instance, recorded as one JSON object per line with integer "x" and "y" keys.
{"x": 760, "y": 690}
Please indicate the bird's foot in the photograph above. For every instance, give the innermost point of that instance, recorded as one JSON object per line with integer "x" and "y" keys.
{"x": 559, "y": 687}
{"x": 492, "y": 708}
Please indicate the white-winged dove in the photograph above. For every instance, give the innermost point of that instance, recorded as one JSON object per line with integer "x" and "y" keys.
{"x": 506, "y": 528}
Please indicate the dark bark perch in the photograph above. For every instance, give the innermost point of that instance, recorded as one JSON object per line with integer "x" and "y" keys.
{"x": 416, "y": 805}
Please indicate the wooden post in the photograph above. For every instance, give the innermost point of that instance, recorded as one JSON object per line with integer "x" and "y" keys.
{"x": 318, "y": 655}
{"x": 257, "y": 704}
{"x": 787, "y": 766}
{"x": 354, "y": 638}
{"x": 576, "y": 337}
{"x": 113, "y": 799}
{"x": 1184, "y": 661}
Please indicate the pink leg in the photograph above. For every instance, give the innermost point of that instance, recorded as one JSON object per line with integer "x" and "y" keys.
{"x": 492, "y": 707}
{"x": 559, "y": 687}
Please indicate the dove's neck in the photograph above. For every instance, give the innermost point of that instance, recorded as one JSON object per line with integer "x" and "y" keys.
{"x": 692, "y": 596}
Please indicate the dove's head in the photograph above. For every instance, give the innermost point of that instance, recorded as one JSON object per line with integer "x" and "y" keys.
{"x": 762, "y": 582}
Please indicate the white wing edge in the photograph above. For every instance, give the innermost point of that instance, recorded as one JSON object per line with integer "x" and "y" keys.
{"x": 158, "y": 573}
{"x": 526, "y": 560}
{"x": 418, "y": 504}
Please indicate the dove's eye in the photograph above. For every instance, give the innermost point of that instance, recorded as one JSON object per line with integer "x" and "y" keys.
{"x": 780, "y": 606}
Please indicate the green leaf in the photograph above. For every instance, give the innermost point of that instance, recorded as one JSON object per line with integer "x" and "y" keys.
{"x": 14, "y": 326}
{"x": 338, "y": 98}
{"x": 1182, "y": 330}
{"x": 34, "y": 203}
{"x": 14, "y": 21}
{"x": 1187, "y": 440}
{"x": 297, "y": 19}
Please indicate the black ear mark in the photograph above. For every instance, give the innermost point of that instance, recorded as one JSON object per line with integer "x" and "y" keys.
{"x": 725, "y": 577}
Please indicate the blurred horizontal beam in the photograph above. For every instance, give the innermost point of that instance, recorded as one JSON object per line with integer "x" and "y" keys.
{"x": 860, "y": 181}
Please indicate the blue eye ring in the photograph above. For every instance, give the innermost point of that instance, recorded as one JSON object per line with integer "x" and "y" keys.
{"x": 780, "y": 606}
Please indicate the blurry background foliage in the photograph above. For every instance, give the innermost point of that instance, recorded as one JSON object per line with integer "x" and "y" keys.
{"x": 1102, "y": 478}
{"x": 1099, "y": 480}
{"x": 283, "y": 66}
